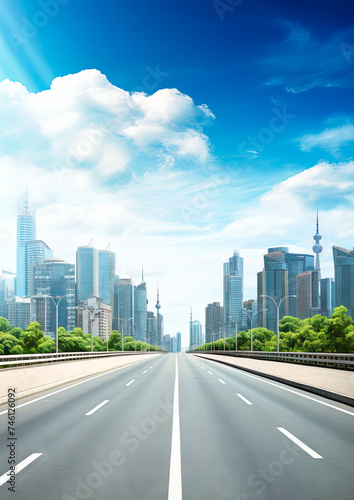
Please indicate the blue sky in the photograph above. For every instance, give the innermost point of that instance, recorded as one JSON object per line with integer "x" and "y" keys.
{"x": 258, "y": 132}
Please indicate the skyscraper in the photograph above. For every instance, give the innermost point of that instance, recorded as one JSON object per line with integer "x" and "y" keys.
{"x": 106, "y": 270}
{"x": 26, "y": 231}
{"x": 151, "y": 328}
{"x": 87, "y": 273}
{"x": 115, "y": 311}
{"x": 195, "y": 334}
{"x": 35, "y": 253}
{"x": 327, "y": 296}
{"x": 17, "y": 311}
{"x": 56, "y": 278}
{"x": 233, "y": 293}
{"x": 140, "y": 311}
{"x": 307, "y": 294}
{"x": 214, "y": 321}
{"x": 278, "y": 280}
{"x": 126, "y": 307}
{"x": 344, "y": 278}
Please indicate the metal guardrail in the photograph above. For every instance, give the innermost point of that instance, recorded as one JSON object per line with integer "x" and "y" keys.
{"x": 27, "y": 359}
{"x": 329, "y": 360}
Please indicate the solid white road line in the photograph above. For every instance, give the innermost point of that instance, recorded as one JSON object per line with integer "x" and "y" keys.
{"x": 299, "y": 443}
{"x": 144, "y": 372}
{"x": 126, "y": 385}
{"x": 219, "y": 379}
{"x": 70, "y": 386}
{"x": 258, "y": 377}
{"x": 175, "y": 481}
{"x": 97, "y": 407}
{"x": 244, "y": 399}
{"x": 5, "y": 477}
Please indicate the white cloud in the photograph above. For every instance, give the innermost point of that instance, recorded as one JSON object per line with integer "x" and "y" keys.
{"x": 85, "y": 120}
{"x": 330, "y": 139}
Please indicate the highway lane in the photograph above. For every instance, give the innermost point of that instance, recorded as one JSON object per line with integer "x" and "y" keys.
{"x": 241, "y": 437}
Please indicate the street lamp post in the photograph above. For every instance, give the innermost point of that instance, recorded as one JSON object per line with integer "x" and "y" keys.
{"x": 251, "y": 318}
{"x": 277, "y": 305}
{"x": 56, "y": 314}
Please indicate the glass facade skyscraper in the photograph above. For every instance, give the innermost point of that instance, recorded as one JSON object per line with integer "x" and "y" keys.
{"x": 26, "y": 231}
{"x": 35, "y": 253}
{"x": 344, "y": 278}
{"x": 140, "y": 311}
{"x": 327, "y": 296}
{"x": 126, "y": 306}
{"x": 56, "y": 278}
{"x": 86, "y": 273}
{"x": 233, "y": 294}
{"x": 278, "y": 280}
{"x": 106, "y": 270}
{"x": 214, "y": 321}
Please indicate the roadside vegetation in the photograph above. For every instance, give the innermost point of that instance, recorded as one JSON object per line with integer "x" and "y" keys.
{"x": 33, "y": 341}
{"x": 317, "y": 334}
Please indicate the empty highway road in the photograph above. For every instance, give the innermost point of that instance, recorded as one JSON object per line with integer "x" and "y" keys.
{"x": 178, "y": 427}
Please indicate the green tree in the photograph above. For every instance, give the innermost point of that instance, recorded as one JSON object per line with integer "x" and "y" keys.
{"x": 31, "y": 336}
{"x": 46, "y": 345}
{"x": 4, "y": 325}
{"x": 8, "y": 342}
{"x": 16, "y": 332}
{"x": 115, "y": 341}
{"x": 339, "y": 326}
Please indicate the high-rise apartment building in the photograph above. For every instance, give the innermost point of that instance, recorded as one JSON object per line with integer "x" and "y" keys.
{"x": 344, "y": 278}
{"x": 26, "y": 231}
{"x": 54, "y": 278}
{"x": 214, "y": 321}
{"x": 97, "y": 318}
{"x": 87, "y": 284}
{"x": 233, "y": 293}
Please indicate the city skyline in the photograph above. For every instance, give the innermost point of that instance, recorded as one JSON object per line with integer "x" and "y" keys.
{"x": 228, "y": 135}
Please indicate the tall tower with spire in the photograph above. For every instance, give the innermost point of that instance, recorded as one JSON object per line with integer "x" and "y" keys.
{"x": 26, "y": 231}
{"x": 317, "y": 248}
{"x": 158, "y": 321}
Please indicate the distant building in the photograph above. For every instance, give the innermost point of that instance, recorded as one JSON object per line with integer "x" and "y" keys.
{"x": 166, "y": 343}
{"x": 126, "y": 307}
{"x": 344, "y": 278}
{"x": 55, "y": 278}
{"x": 140, "y": 311}
{"x": 250, "y": 307}
{"x": 7, "y": 285}
{"x": 115, "y": 311}
{"x": 86, "y": 273}
{"x": 307, "y": 294}
{"x": 17, "y": 311}
{"x": 233, "y": 293}
{"x": 214, "y": 321}
{"x": 195, "y": 334}
{"x": 179, "y": 341}
{"x": 97, "y": 318}
{"x": 26, "y": 231}
{"x": 151, "y": 328}
{"x": 327, "y": 296}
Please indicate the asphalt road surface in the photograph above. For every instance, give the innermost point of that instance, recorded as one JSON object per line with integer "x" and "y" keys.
{"x": 177, "y": 428}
